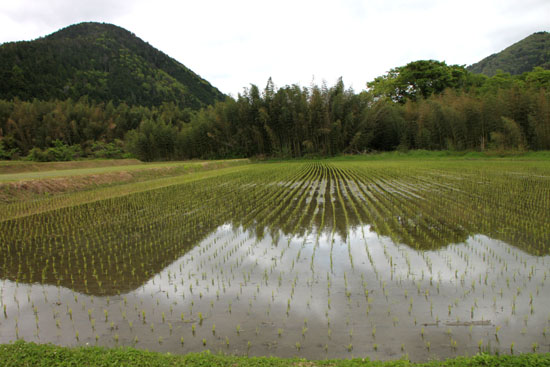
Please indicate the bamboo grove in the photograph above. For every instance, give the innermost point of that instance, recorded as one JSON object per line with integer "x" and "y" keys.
{"x": 464, "y": 112}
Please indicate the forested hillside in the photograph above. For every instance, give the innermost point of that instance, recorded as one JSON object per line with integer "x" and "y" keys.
{"x": 425, "y": 104}
{"x": 103, "y": 62}
{"x": 521, "y": 57}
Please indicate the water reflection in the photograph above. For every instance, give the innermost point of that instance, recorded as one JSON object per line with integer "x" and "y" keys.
{"x": 316, "y": 295}
{"x": 114, "y": 246}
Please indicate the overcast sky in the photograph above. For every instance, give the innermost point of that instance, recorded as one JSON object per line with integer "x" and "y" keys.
{"x": 235, "y": 43}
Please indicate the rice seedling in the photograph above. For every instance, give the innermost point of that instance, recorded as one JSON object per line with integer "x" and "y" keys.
{"x": 466, "y": 236}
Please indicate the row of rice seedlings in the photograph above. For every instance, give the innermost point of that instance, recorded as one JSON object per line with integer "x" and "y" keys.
{"x": 113, "y": 247}
{"x": 307, "y": 207}
{"x": 293, "y": 207}
{"x": 473, "y": 212}
{"x": 275, "y": 197}
{"x": 205, "y": 267}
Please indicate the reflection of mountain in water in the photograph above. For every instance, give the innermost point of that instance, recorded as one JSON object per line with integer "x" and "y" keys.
{"x": 315, "y": 289}
{"x": 423, "y": 209}
{"x": 116, "y": 245}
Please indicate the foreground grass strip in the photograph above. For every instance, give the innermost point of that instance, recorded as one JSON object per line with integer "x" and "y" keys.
{"x": 31, "y": 354}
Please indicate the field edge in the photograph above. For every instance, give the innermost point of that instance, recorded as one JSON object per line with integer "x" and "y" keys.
{"x": 21, "y": 353}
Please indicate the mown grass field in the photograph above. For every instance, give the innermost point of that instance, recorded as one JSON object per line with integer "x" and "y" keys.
{"x": 422, "y": 258}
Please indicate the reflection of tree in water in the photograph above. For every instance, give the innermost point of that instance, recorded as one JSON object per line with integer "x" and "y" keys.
{"x": 423, "y": 209}
{"x": 116, "y": 245}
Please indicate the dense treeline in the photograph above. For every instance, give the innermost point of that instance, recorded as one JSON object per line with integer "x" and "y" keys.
{"x": 423, "y": 105}
{"x": 87, "y": 127}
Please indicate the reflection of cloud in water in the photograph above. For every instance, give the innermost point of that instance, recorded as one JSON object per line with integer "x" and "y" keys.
{"x": 308, "y": 285}
{"x": 468, "y": 277}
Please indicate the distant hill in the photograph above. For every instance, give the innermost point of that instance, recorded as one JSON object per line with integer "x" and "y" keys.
{"x": 102, "y": 61}
{"x": 521, "y": 57}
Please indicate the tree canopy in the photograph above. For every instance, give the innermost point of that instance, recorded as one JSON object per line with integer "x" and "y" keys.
{"x": 417, "y": 79}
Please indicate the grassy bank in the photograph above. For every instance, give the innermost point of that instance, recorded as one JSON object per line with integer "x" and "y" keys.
{"x": 448, "y": 154}
{"x": 423, "y": 155}
{"x": 31, "y": 354}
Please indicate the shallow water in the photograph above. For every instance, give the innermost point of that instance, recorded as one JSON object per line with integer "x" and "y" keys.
{"x": 309, "y": 260}
{"x": 316, "y": 295}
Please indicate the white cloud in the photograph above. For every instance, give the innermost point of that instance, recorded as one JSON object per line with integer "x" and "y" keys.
{"x": 234, "y": 43}
{"x": 30, "y": 19}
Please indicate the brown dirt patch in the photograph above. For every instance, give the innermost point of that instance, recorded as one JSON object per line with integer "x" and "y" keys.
{"x": 20, "y": 166}
{"x": 12, "y": 191}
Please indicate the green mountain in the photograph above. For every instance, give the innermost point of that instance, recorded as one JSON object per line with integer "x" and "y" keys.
{"x": 519, "y": 58}
{"x": 102, "y": 61}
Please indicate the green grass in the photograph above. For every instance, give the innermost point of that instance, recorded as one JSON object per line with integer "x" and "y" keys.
{"x": 420, "y": 154}
{"x": 46, "y": 355}
{"x": 446, "y": 154}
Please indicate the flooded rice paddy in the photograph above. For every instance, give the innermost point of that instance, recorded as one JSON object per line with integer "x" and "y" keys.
{"x": 313, "y": 260}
